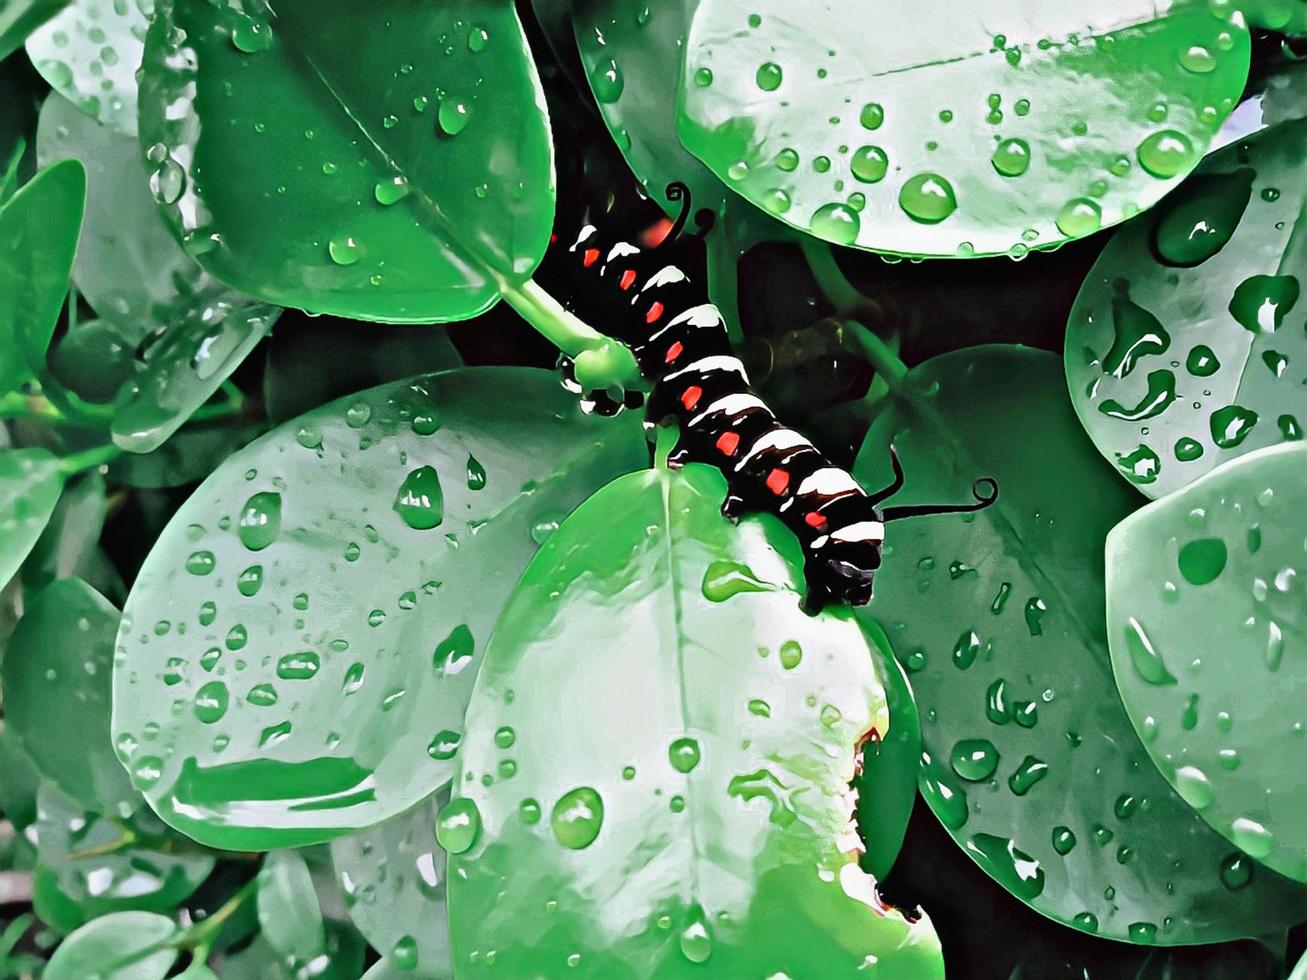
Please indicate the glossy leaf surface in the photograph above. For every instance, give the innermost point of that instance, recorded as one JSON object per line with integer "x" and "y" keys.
{"x": 958, "y": 127}
{"x": 30, "y": 483}
{"x": 289, "y": 914}
{"x": 18, "y": 18}
{"x": 399, "y": 180}
{"x": 1185, "y": 347}
{"x": 38, "y": 241}
{"x": 1029, "y": 759}
{"x": 393, "y": 880}
{"x": 1222, "y": 560}
{"x": 686, "y": 810}
{"x": 89, "y": 53}
{"x": 122, "y": 946}
{"x": 57, "y": 692}
{"x": 319, "y": 606}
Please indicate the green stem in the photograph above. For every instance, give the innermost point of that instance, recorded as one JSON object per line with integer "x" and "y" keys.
{"x": 887, "y": 363}
{"x": 201, "y": 935}
{"x": 17, "y": 405}
{"x": 835, "y": 286}
{"x": 568, "y": 332}
{"x": 89, "y": 459}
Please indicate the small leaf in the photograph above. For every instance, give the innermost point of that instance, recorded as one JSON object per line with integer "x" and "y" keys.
{"x": 407, "y": 179}
{"x": 30, "y": 483}
{"x": 342, "y": 960}
{"x": 393, "y": 879}
{"x": 687, "y": 750}
{"x": 57, "y": 674}
{"x": 121, "y": 946}
{"x": 1223, "y": 560}
{"x": 1185, "y": 347}
{"x": 89, "y": 53}
{"x": 971, "y": 127}
{"x": 1029, "y": 759}
{"x": 19, "y": 780}
{"x": 38, "y": 241}
{"x": 322, "y": 641}
{"x": 289, "y": 914}
{"x": 69, "y": 545}
{"x": 18, "y": 18}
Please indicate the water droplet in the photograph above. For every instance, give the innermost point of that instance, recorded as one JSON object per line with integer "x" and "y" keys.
{"x": 696, "y": 937}
{"x": 1261, "y": 303}
{"x": 1142, "y": 932}
{"x": 444, "y": 746}
{"x": 769, "y": 76}
{"x": 1200, "y": 218}
{"x": 392, "y": 190}
{"x": 420, "y": 500}
{"x": 1194, "y": 787}
{"x": 946, "y": 798}
{"x": 344, "y": 250}
{"x": 1252, "y": 838}
{"x": 168, "y": 181}
{"x": 1080, "y": 217}
{"x": 1197, "y": 59}
{"x": 1202, "y": 362}
{"x": 1011, "y": 157}
{"x": 577, "y": 818}
{"x": 454, "y": 652}
{"x": 250, "y": 581}
{"x": 298, "y": 666}
{"x": 927, "y": 198}
{"x": 606, "y": 81}
{"x": 458, "y": 825}
{"x": 1187, "y": 449}
{"x": 1230, "y": 425}
{"x": 872, "y": 115}
{"x": 1027, "y": 775}
{"x": 404, "y": 954}
{"x": 965, "y": 650}
{"x": 1137, "y": 333}
{"x": 1156, "y": 399}
{"x": 975, "y": 759}
{"x": 1015, "y": 870}
{"x": 262, "y": 696}
{"x": 869, "y": 164}
{"x": 703, "y": 77}
{"x": 1035, "y": 609}
{"x": 476, "y": 474}
{"x": 1064, "y": 841}
{"x": 683, "y": 754}
{"x": 1203, "y": 560}
{"x": 1166, "y": 153}
{"x": 211, "y": 702}
{"x": 1141, "y": 464}
{"x": 1145, "y": 659}
{"x": 836, "y": 223}
{"x": 453, "y": 116}
{"x": 200, "y": 562}
{"x": 1236, "y": 871}
{"x": 725, "y": 579}
{"x": 477, "y": 39}
{"x": 791, "y": 654}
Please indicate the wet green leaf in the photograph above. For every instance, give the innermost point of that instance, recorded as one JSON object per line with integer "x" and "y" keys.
{"x": 122, "y": 946}
{"x": 1286, "y": 16}
{"x": 57, "y": 688}
{"x": 1029, "y": 759}
{"x": 289, "y": 914}
{"x": 687, "y": 750}
{"x": 343, "y": 960}
{"x": 407, "y": 179}
{"x": 18, "y": 18}
{"x": 89, "y": 54}
{"x": 30, "y": 483}
{"x": 1221, "y": 560}
{"x": 393, "y": 880}
{"x": 38, "y": 240}
{"x": 967, "y": 127}
{"x": 887, "y": 783}
{"x": 319, "y": 606}
{"x": 1185, "y": 347}
{"x": 99, "y": 865}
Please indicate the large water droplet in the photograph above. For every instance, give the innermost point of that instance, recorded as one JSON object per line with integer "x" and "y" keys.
{"x": 1252, "y": 838}
{"x": 1166, "y": 153}
{"x": 1260, "y": 303}
{"x": 1203, "y": 560}
{"x": 458, "y": 825}
{"x": 211, "y": 702}
{"x": 1194, "y": 787}
{"x": 420, "y": 500}
{"x": 453, "y": 116}
{"x": 260, "y": 521}
{"x": 1230, "y": 425}
{"x": 1080, "y": 217}
{"x": 724, "y": 579}
{"x": 769, "y": 76}
{"x": 696, "y": 936}
{"x": 454, "y": 652}
{"x": 1016, "y": 870}
{"x": 1137, "y": 333}
{"x": 1027, "y": 775}
{"x": 1011, "y": 157}
{"x": 683, "y": 754}
{"x": 869, "y": 164}
{"x": 975, "y": 759}
{"x": 836, "y": 223}
{"x": 927, "y": 198}
{"x": 1145, "y": 659}
{"x": 577, "y": 818}
{"x": 1196, "y": 222}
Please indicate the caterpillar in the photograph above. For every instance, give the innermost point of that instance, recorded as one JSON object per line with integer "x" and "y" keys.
{"x": 650, "y": 303}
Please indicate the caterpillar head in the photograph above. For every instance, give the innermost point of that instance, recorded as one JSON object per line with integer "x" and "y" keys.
{"x": 842, "y": 564}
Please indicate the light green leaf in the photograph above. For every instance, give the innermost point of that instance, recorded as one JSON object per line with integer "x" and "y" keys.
{"x": 957, "y": 127}
{"x": 289, "y": 914}
{"x": 69, "y": 545}
{"x": 18, "y": 18}
{"x": 1222, "y": 560}
{"x": 57, "y": 686}
{"x": 658, "y": 754}
{"x": 1184, "y": 346}
{"x": 121, "y": 946}
{"x": 30, "y": 483}
{"x": 320, "y": 616}
{"x": 1029, "y": 760}
{"x": 407, "y": 179}
{"x": 90, "y": 52}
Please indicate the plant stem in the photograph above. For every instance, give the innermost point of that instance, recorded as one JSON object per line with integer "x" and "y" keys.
{"x": 835, "y": 286}
{"x": 89, "y": 459}
{"x": 565, "y": 330}
{"x": 887, "y": 363}
{"x": 202, "y": 934}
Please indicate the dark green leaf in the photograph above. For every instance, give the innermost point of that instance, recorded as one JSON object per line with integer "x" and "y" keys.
{"x": 1221, "y": 717}
{"x": 52, "y": 905}
{"x": 121, "y": 946}
{"x": 30, "y": 483}
{"x": 1185, "y": 346}
{"x": 971, "y": 127}
{"x": 38, "y": 240}
{"x": 69, "y": 545}
{"x": 320, "y": 616}
{"x": 406, "y": 179}
{"x": 289, "y": 914}
{"x": 677, "y": 795}
{"x": 18, "y": 18}
{"x": 1029, "y": 759}
{"x": 393, "y": 880}
{"x": 187, "y": 457}
{"x": 57, "y": 674}
{"x": 18, "y": 781}
{"x": 343, "y": 960}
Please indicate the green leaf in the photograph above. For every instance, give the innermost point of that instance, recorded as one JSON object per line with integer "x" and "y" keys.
{"x": 393, "y": 879}
{"x": 38, "y": 241}
{"x": 1180, "y": 345}
{"x": 1029, "y": 759}
{"x": 322, "y": 642}
{"x": 122, "y": 946}
{"x": 408, "y": 179}
{"x": 90, "y": 52}
{"x": 677, "y": 795}
{"x": 289, "y": 914}
{"x": 343, "y": 960}
{"x": 976, "y": 127}
{"x": 198, "y": 970}
{"x": 18, "y": 781}
{"x": 57, "y": 688}
{"x": 887, "y": 782}
{"x": 1219, "y": 560}
{"x": 52, "y": 906}
{"x": 69, "y": 545}
{"x": 187, "y": 457}
{"x": 1300, "y": 971}
{"x": 1286, "y": 16}
{"x": 100, "y": 866}
{"x": 18, "y": 18}
{"x": 30, "y": 483}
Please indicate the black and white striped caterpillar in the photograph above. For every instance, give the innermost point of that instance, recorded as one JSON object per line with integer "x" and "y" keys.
{"x": 647, "y": 301}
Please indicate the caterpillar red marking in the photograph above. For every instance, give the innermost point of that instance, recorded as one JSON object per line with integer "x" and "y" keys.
{"x": 681, "y": 344}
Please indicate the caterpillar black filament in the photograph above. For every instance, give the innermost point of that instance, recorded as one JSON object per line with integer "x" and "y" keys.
{"x": 650, "y": 303}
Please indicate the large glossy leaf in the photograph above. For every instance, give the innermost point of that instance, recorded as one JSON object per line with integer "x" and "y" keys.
{"x": 1185, "y": 344}
{"x": 38, "y": 241}
{"x": 90, "y": 52}
{"x": 957, "y": 127}
{"x": 1223, "y": 560}
{"x": 1029, "y": 758}
{"x": 122, "y": 946}
{"x": 393, "y": 880}
{"x": 318, "y": 608}
{"x": 405, "y": 179}
{"x": 658, "y": 755}
{"x": 30, "y": 483}
{"x": 57, "y": 688}
{"x": 18, "y": 18}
